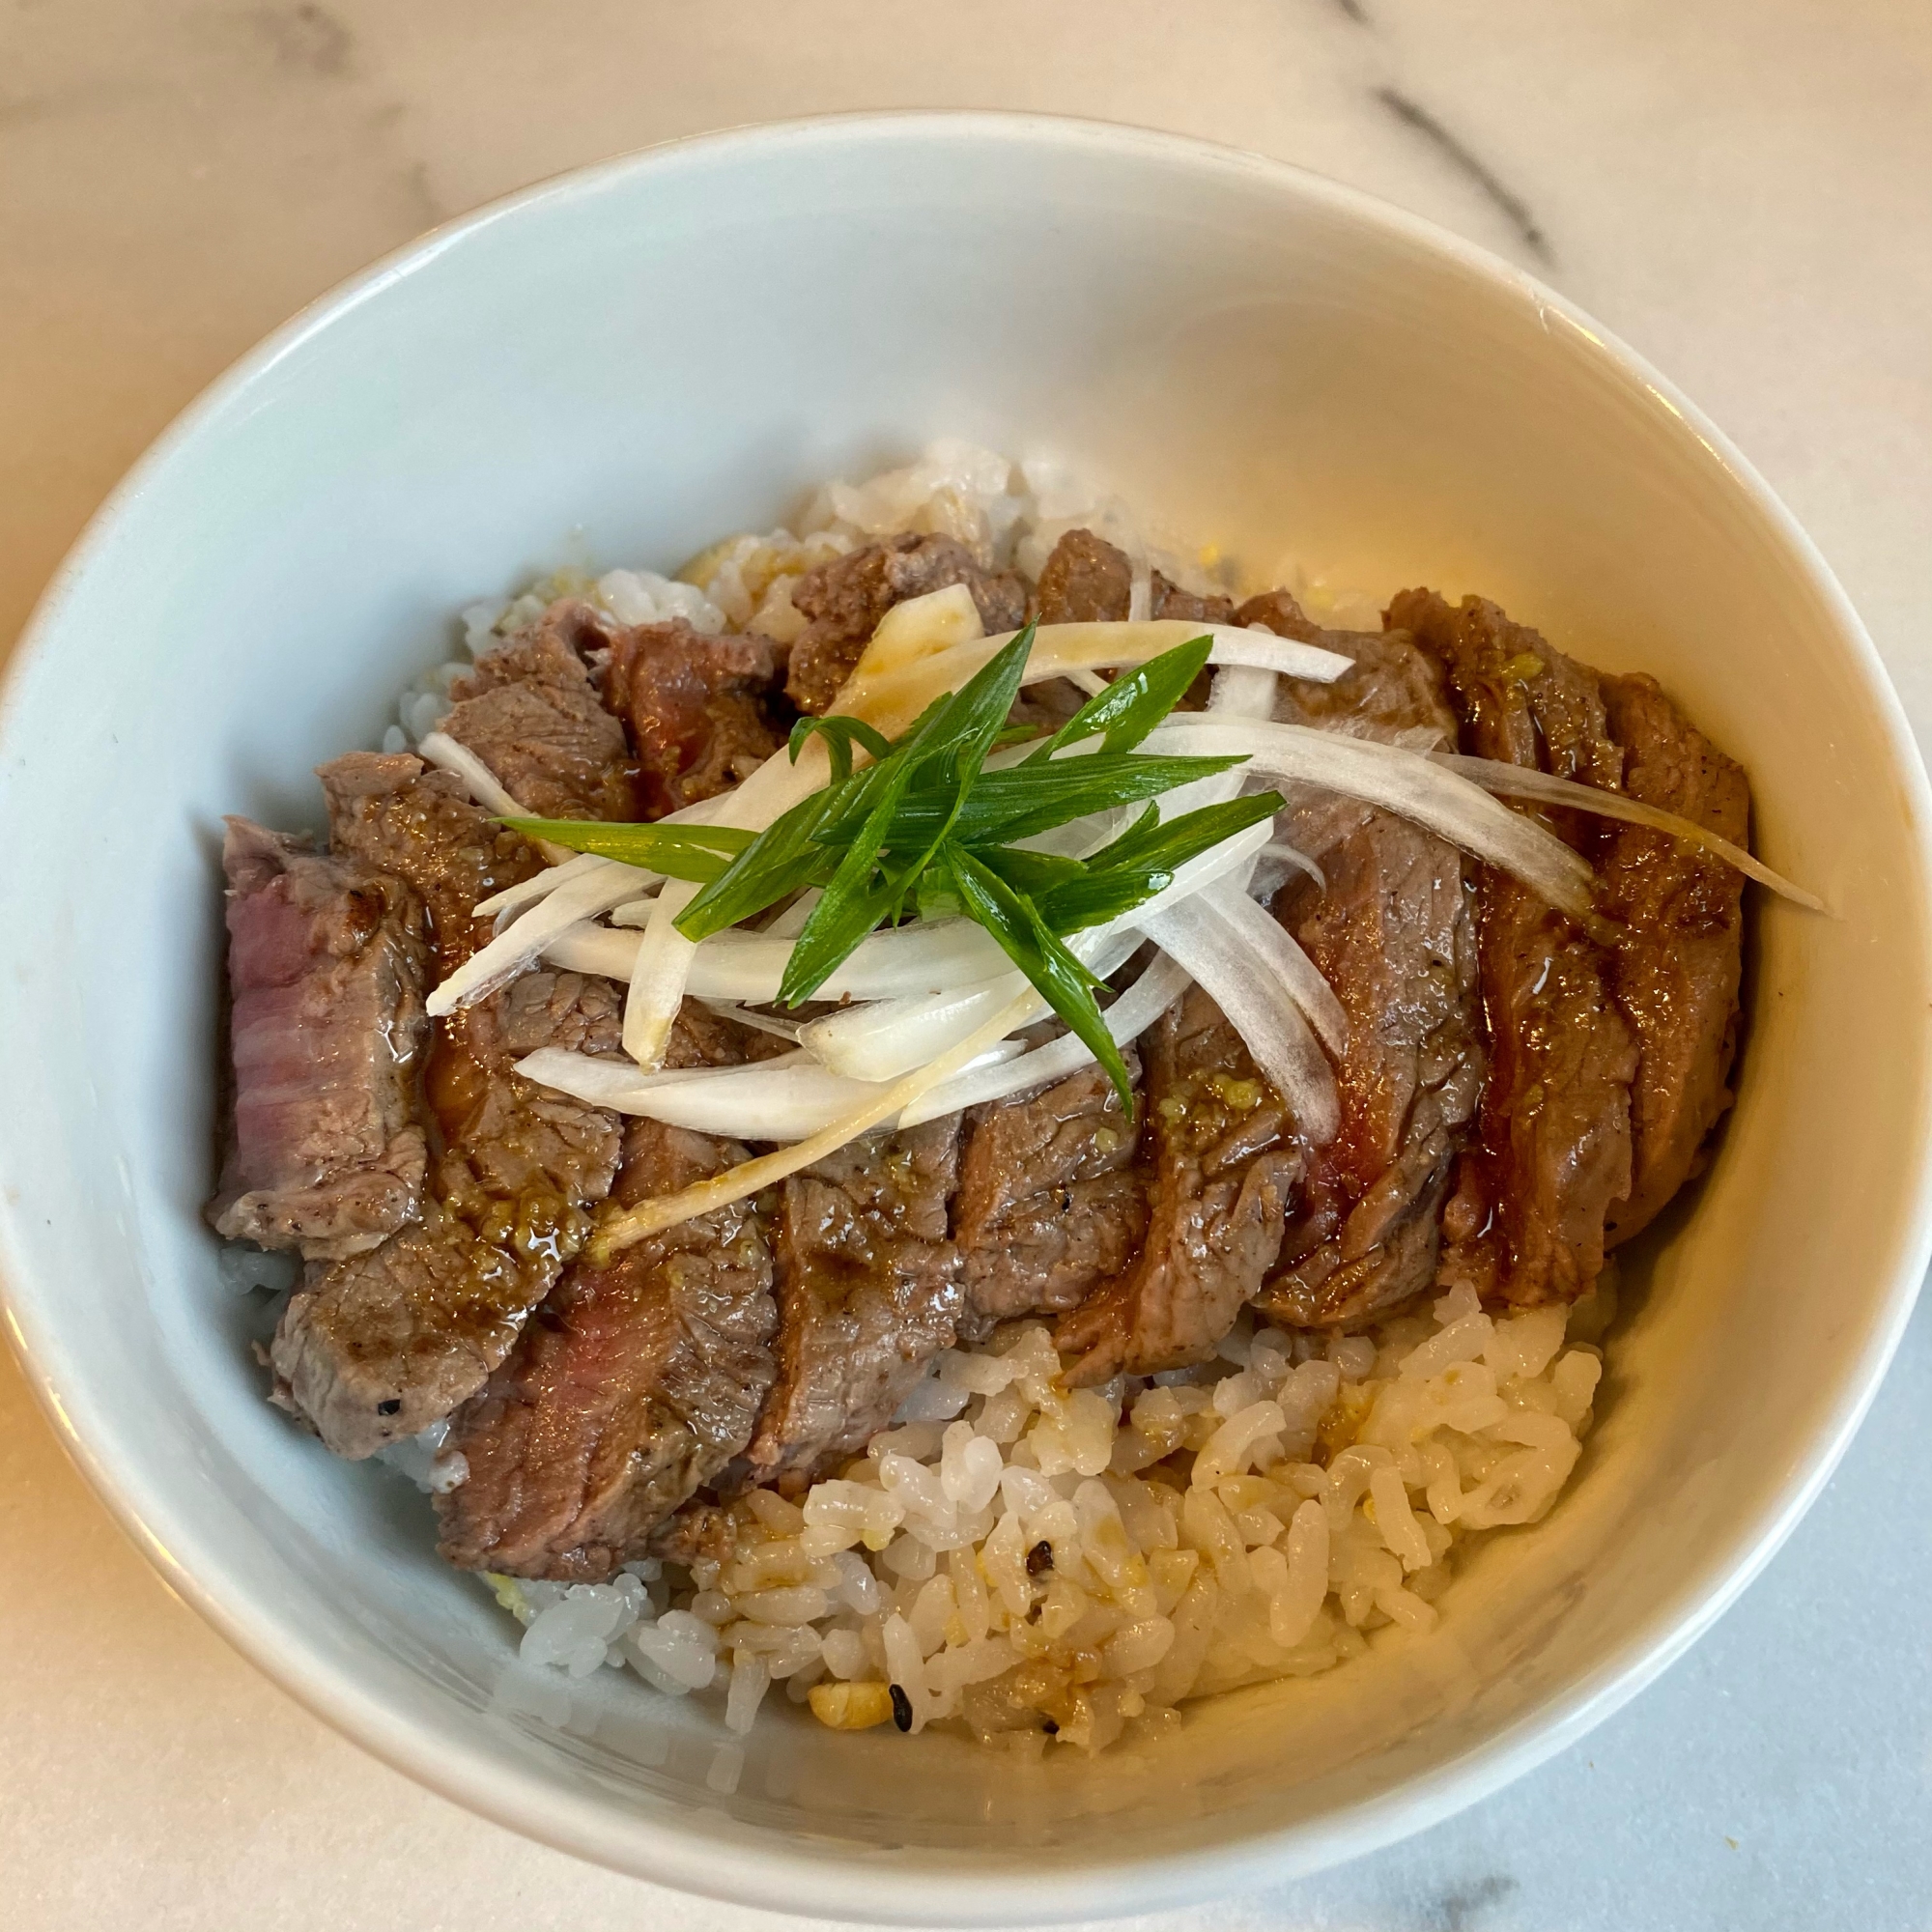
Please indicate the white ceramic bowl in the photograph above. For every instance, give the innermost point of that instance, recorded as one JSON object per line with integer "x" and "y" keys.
{"x": 672, "y": 346}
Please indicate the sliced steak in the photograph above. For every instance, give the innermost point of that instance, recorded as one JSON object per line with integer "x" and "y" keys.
{"x": 844, "y": 599}
{"x": 870, "y": 1290}
{"x": 327, "y": 959}
{"x": 696, "y": 707}
{"x": 1170, "y": 600}
{"x": 1393, "y": 931}
{"x": 1552, "y": 1156}
{"x": 380, "y": 1347}
{"x": 631, "y": 1387}
{"x": 1680, "y": 953}
{"x": 1221, "y": 1170}
{"x": 1085, "y": 580}
{"x": 403, "y": 818}
{"x": 531, "y": 713}
{"x": 1050, "y": 1203}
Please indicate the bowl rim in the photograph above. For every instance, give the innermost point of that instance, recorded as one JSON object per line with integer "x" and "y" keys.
{"x": 830, "y": 1878}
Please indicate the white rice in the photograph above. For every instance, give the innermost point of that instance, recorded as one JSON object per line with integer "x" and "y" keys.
{"x": 1265, "y": 1516}
{"x": 1269, "y": 1515}
{"x": 1009, "y": 515}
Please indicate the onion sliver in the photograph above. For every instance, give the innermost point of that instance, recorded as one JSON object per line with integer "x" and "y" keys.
{"x": 513, "y": 899}
{"x": 927, "y": 957}
{"x": 661, "y": 968}
{"x": 727, "y": 1009}
{"x": 892, "y": 1037}
{"x": 1127, "y": 1018}
{"x": 782, "y": 1100}
{"x": 660, "y": 971}
{"x": 522, "y": 942}
{"x": 1226, "y": 966}
{"x": 890, "y": 697}
{"x": 1276, "y": 948}
{"x": 622, "y": 1230}
{"x": 616, "y": 1084}
{"x": 1412, "y": 784}
{"x": 1545, "y": 788}
{"x": 489, "y": 792}
{"x": 887, "y": 1037}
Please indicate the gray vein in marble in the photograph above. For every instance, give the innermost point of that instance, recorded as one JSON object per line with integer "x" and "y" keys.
{"x": 1467, "y": 1907}
{"x": 1511, "y": 205}
{"x": 306, "y": 37}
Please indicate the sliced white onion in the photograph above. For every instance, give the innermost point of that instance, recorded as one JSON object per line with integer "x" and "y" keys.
{"x": 485, "y": 787}
{"x": 659, "y": 972}
{"x": 523, "y": 941}
{"x": 779, "y": 1099}
{"x": 925, "y": 958}
{"x": 790, "y": 922}
{"x": 886, "y": 1038}
{"x": 1127, "y": 1018}
{"x": 616, "y": 1084}
{"x": 1276, "y": 950}
{"x": 1519, "y": 782}
{"x": 647, "y": 1217}
{"x": 1294, "y": 857}
{"x": 892, "y": 1037}
{"x": 1409, "y": 784}
{"x": 1242, "y": 690}
{"x": 1225, "y": 965}
{"x": 891, "y": 696}
{"x": 661, "y": 968}
{"x": 744, "y": 1016}
{"x": 513, "y": 899}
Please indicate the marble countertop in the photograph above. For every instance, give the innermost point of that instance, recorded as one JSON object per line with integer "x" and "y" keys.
{"x": 1743, "y": 189}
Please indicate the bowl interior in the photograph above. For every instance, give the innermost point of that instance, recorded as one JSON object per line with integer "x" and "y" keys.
{"x": 626, "y": 365}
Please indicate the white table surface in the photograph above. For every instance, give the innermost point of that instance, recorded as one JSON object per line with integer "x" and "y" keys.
{"x": 1743, "y": 188}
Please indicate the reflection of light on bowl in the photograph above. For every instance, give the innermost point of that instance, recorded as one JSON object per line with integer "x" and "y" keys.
{"x": 677, "y": 345}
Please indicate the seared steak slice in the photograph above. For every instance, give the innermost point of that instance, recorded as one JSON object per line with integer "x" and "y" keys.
{"x": 1169, "y": 600}
{"x": 1222, "y": 1168}
{"x": 531, "y": 713}
{"x": 1050, "y": 1204}
{"x": 844, "y": 599}
{"x": 1552, "y": 1156}
{"x": 404, "y": 817}
{"x": 325, "y": 965}
{"x": 695, "y": 709}
{"x": 1678, "y": 959}
{"x": 631, "y": 1386}
{"x": 382, "y": 1347}
{"x": 1393, "y": 932}
{"x": 1084, "y": 581}
{"x": 870, "y": 1290}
